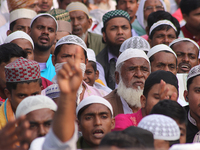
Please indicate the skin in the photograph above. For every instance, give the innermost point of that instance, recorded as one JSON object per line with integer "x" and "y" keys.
{"x": 80, "y": 22}
{"x": 64, "y": 3}
{"x": 182, "y": 128}
{"x": 187, "y": 56}
{"x": 156, "y": 94}
{"x": 95, "y": 117}
{"x": 193, "y": 22}
{"x": 192, "y": 96}
{"x": 34, "y": 6}
{"x": 134, "y": 72}
{"x": 22, "y": 91}
{"x": 117, "y": 31}
{"x": 40, "y": 121}
{"x": 161, "y": 144}
{"x": 90, "y": 75}
{"x": 129, "y": 6}
{"x": 26, "y": 46}
{"x": 151, "y": 3}
{"x": 164, "y": 61}
{"x": 22, "y": 24}
{"x": 45, "y": 5}
{"x": 163, "y": 37}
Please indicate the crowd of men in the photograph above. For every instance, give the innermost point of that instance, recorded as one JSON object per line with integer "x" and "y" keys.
{"x": 90, "y": 74}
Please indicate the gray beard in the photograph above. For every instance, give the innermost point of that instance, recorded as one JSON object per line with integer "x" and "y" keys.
{"x": 84, "y": 35}
{"x": 131, "y": 96}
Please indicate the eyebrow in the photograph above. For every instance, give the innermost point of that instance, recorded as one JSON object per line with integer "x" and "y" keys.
{"x": 34, "y": 122}
{"x": 92, "y": 114}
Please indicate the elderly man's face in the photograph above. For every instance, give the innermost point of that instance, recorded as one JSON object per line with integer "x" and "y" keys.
{"x": 95, "y": 122}
{"x": 80, "y": 23}
{"x": 164, "y": 61}
{"x": 134, "y": 72}
{"x": 187, "y": 56}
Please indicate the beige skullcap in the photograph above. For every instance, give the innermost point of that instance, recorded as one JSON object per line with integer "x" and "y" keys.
{"x": 64, "y": 26}
{"x": 77, "y": 6}
{"x": 22, "y": 13}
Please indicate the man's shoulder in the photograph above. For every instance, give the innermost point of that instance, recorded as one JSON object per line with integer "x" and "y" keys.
{"x": 112, "y": 95}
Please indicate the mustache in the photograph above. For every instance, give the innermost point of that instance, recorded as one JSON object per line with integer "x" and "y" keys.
{"x": 44, "y": 36}
{"x": 185, "y": 64}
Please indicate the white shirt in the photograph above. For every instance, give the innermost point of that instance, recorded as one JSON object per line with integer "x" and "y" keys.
{"x": 126, "y": 108}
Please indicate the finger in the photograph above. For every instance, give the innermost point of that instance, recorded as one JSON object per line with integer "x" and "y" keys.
{"x": 78, "y": 59}
{"x": 68, "y": 68}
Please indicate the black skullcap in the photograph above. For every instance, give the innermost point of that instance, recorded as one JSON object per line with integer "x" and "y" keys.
{"x": 145, "y": 137}
{"x": 157, "y": 76}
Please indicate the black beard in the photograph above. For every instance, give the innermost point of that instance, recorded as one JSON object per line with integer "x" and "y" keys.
{"x": 42, "y": 47}
{"x": 114, "y": 49}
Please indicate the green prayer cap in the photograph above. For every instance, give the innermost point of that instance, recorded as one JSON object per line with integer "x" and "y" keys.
{"x": 60, "y": 14}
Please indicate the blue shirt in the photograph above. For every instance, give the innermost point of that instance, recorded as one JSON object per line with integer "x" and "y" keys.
{"x": 49, "y": 71}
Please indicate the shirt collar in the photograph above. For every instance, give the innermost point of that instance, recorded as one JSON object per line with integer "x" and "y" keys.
{"x": 110, "y": 56}
{"x": 191, "y": 119}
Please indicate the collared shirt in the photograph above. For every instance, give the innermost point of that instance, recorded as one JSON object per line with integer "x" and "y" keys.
{"x": 126, "y": 108}
{"x": 49, "y": 71}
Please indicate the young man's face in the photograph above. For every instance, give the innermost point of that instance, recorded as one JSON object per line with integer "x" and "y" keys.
{"x": 164, "y": 61}
{"x": 45, "y": 5}
{"x": 63, "y": 3}
{"x": 40, "y": 121}
{"x": 22, "y": 24}
{"x": 95, "y": 122}
{"x": 182, "y": 127}
{"x": 22, "y": 91}
{"x": 90, "y": 75}
{"x": 162, "y": 37}
{"x": 153, "y": 96}
{"x": 117, "y": 31}
{"x": 187, "y": 56}
{"x": 26, "y": 46}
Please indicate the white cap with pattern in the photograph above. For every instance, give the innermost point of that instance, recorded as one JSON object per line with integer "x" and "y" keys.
{"x": 195, "y": 71}
{"x": 162, "y": 127}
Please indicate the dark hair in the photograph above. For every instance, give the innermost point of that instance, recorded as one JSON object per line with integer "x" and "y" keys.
{"x": 81, "y": 111}
{"x": 174, "y": 142}
{"x": 94, "y": 65}
{"x": 118, "y": 1}
{"x": 13, "y": 85}
{"x": 10, "y": 50}
{"x": 57, "y": 51}
{"x": 162, "y": 15}
{"x": 171, "y": 109}
{"x": 12, "y": 24}
{"x": 189, "y": 82}
{"x": 189, "y": 5}
{"x": 120, "y": 139}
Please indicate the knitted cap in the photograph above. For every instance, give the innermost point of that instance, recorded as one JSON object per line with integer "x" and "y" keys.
{"x": 52, "y": 91}
{"x": 60, "y": 14}
{"x": 195, "y": 71}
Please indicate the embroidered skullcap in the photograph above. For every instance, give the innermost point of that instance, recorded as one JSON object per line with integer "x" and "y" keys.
{"x": 131, "y": 53}
{"x": 162, "y": 22}
{"x": 182, "y": 40}
{"x": 155, "y": 78}
{"x": 115, "y": 13}
{"x": 19, "y": 35}
{"x": 22, "y": 70}
{"x": 53, "y": 91}
{"x": 195, "y": 71}
{"x": 91, "y": 55}
{"x": 44, "y": 14}
{"x": 162, "y": 127}
{"x": 16, "y": 4}
{"x": 32, "y": 103}
{"x": 135, "y": 42}
{"x": 160, "y": 48}
{"x": 93, "y": 99}
{"x": 71, "y": 39}
{"x": 60, "y": 14}
{"x": 77, "y": 6}
{"x": 22, "y": 13}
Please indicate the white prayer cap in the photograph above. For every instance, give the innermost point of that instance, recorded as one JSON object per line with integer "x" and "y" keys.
{"x": 19, "y": 35}
{"x": 92, "y": 100}
{"x": 22, "y": 13}
{"x": 131, "y": 53}
{"x": 77, "y": 6}
{"x": 52, "y": 91}
{"x": 72, "y": 39}
{"x": 44, "y": 14}
{"x": 160, "y": 48}
{"x": 135, "y": 42}
{"x": 162, "y": 127}
{"x": 182, "y": 40}
{"x": 32, "y": 103}
{"x": 195, "y": 71}
{"x": 186, "y": 146}
{"x": 161, "y": 22}
{"x": 91, "y": 55}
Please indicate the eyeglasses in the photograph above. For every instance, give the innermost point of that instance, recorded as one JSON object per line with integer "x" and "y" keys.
{"x": 151, "y": 8}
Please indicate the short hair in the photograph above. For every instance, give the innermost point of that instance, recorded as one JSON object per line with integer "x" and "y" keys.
{"x": 81, "y": 111}
{"x": 171, "y": 109}
{"x": 12, "y": 24}
{"x": 94, "y": 65}
{"x": 10, "y": 50}
{"x": 189, "y": 5}
{"x": 13, "y": 85}
{"x": 189, "y": 82}
{"x": 162, "y": 15}
{"x": 57, "y": 51}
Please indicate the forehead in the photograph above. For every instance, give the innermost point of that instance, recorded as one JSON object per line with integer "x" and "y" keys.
{"x": 127, "y": 0}
{"x": 195, "y": 81}
{"x": 96, "y": 108}
{"x": 117, "y": 21}
{"x": 185, "y": 46}
{"x": 70, "y": 49}
{"x": 77, "y": 14}
{"x": 22, "y": 42}
{"x": 45, "y": 21}
{"x": 26, "y": 88}
{"x": 164, "y": 57}
{"x": 137, "y": 61}
{"x": 43, "y": 114}
{"x": 152, "y": 2}
{"x": 156, "y": 87}
{"x": 23, "y": 22}
{"x": 171, "y": 31}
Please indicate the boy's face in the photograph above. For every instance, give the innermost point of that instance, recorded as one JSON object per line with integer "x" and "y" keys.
{"x": 90, "y": 75}
{"x": 161, "y": 144}
{"x": 22, "y": 91}
{"x": 182, "y": 127}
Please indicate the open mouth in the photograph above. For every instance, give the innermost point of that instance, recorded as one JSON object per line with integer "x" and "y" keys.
{"x": 98, "y": 133}
{"x": 44, "y": 40}
{"x": 185, "y": 67}
{"x": 76, "y": 30}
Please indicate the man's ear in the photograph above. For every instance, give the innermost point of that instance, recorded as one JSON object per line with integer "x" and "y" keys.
{"x": 97, "y": 75}
{"x": 7, "y": 93}
{"x": 53, "y": 59}
{"x": 8, "y": 32}
{"x": 185, "y": 94}
{"x": 90, "y": 22}
{"x": 113, "y": 123}
{"x": 143, "y": 101}
{"x": 79, "y": 126}
{"x": 147, "y": 30}
{"x": 149, "y": 40}
{"x": 117, "y": 77}
{"x": 104, "y": 36}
